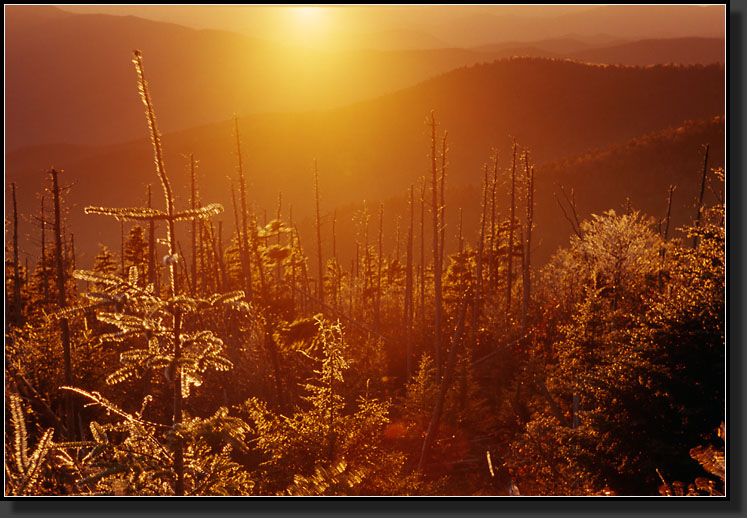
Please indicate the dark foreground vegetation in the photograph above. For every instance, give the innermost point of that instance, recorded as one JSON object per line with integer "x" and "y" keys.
{"x": 255, "y": 370}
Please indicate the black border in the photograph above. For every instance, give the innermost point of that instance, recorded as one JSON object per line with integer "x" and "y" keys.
{"x": 658, "y": 507}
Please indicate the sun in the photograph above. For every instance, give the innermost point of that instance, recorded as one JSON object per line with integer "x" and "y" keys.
{"x": 307, "y": 14}
{"x": 307, "y": 24}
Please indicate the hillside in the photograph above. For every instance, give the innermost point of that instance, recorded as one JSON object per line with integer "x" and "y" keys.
{"x": 199, "y": 76}
{"x": 641, "y": 169}
{"x": 375, "y": 149}
{"x": 683, "y": 51}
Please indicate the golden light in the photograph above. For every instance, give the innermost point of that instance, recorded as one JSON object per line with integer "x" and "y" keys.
{"x": 308, "y": 25}
{"x": 307, "y": 14}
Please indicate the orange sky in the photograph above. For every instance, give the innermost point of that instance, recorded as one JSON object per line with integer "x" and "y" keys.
{"x": 456, "y": 25}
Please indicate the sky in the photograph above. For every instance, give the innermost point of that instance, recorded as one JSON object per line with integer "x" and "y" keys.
{"x": 454, "y": 25}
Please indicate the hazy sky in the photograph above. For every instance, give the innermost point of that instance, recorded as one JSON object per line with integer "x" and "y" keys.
{"x": 456, "y": 25}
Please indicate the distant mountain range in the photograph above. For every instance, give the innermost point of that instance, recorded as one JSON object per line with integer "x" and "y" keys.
{"x": 68, "y": 77}
{"x": 376, "y": 149}
{"x": 683, "y": 51}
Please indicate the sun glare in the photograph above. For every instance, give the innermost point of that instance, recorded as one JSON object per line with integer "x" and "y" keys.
{"x": 308, "y": 25}
{"x": 307, "y": 14}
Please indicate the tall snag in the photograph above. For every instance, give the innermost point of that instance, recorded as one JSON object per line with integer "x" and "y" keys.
{"x": 320, "y": 285}
{"x": 700, "y": 197}
{"x": 510, "y": 248}
{"x": 62, "y": 303}
{"x": 379, "y": 261}
{"x": 16, "y": 309}
{"x": 43, "y": 259}
{"x": 437, "y": 287}
{"x": 408, "y": 311}
{"x": 244, "y": 232}
{"x": 526, "y": 278}
{"x": 480, "y": 250}
{"x": 193, "y": 200}
{"x": 421, "y": 266}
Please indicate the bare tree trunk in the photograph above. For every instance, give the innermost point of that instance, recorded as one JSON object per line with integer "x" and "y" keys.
{"x": 436, "y": 253}
{"x": 239, "y": 238}
{"x": 335, "y": 264}
{"x": 509, "y": 254}
{"x": 460, "y": 239}
{"x": 205, "y": 277}
{"x": 122, "y": 249}
{"x": 320, "y": 292}
{"x": 442, "y": 206}
{"x": 422, "y": 256}
{"x": 193, "y": 198}
{"x": 45, "y": 277}
{"x": 480, "y": 250}
{"x": 526, "y": 280}
{"x": 380, "y": 259}
{"x": 396, "y": 233}
{"x": 672, "y": 188}
{"x": 16, "y": 312}
{"x": 221, "y": 263}
{"x": 700, "y": 198}
{"x": 62, "y": 303}
{"x": 244, "y": 232}
{"x": 492, "y": 264}
{"x": 408, "y": 286}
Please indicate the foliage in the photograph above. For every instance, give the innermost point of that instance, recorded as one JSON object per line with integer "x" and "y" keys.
{"x": 642, "y": 349}
{"x": 323, "y": 447}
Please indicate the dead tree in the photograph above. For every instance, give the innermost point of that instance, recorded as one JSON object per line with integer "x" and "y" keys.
{"x": 442, "y": 205}
{"x": 510, "y": 250}
{"x": 492, "y": 264}
{"x": 62, "y": 303}
{"x": 572, "y": 221}
{"x": 193, "y": 199}
{"x": 422, "y": 255}
{"x": 700, "y": 197}
{"x": 122, "y": 248}
{"x": 16, "y": 309}
{"x": 44, "y": 272}
{"x": 239, "y": 237}
{"x": 672, "y": 188}
{"x": 480, "y": 250}
{"x": 436, "y": 251}
{"x": 408, "y": 286}
{"x": 380, "y": 260}
{"x": 526, "y": 263}
{"x": 320, "y": 292}
{"x": 244, "y": 232}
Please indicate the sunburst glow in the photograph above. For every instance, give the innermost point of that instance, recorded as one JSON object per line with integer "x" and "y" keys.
{"x": 308, "y": 25}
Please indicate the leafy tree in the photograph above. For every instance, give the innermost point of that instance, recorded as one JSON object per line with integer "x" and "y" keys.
{"x": 323, "y": 447}
{"x": 136, "y": 251}
{"x": 641, "y": 352}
